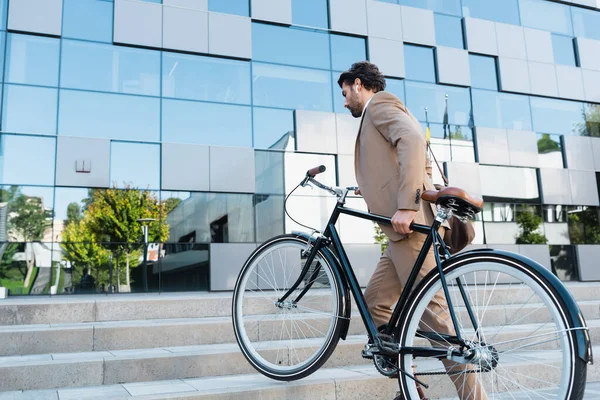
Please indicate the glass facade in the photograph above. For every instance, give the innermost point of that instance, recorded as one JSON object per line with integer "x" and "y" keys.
{"x": 207, "y": 144}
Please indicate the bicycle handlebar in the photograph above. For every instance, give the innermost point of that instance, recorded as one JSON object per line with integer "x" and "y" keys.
{"x": 315, "y": 171}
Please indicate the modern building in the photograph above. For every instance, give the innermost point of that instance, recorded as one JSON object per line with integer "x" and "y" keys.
{"x": 214, "y": 109}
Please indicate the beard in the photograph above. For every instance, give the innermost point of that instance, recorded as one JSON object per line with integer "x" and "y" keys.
{"x": 355, "y": 110}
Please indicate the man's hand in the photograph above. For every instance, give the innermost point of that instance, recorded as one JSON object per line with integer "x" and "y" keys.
{"x": 402, "y": 219}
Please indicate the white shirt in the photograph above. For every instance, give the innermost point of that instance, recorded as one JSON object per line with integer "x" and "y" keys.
{"x": 366, "y": 104}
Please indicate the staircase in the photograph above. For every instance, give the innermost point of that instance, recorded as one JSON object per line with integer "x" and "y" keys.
{"x": 177, "y": 346}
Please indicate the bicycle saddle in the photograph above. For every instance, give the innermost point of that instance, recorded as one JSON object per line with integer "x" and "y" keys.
{"x": 460, "y": 202}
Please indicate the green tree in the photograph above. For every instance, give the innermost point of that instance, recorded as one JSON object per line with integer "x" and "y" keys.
{"x": 547, "y": 145}
{"x": 170, "y": 204}
{"x": 112, "y": 216}
{"x": 81, "y": 247}
{"x": 73, "y": 214}
{"x": 529, "y": 223}
{"x": 381, "y": 238}
{"x": 457, "y": 134}
{"x": 591, "y": 124}
{"x": 27, "y": 222}
{"x": 584, "y": 226}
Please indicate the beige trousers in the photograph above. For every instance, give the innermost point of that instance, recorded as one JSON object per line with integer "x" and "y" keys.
{"x": 384, "y": 290}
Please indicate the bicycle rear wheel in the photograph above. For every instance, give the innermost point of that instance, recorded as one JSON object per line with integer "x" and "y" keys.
{"x": 524, "y": 347}
{"x": 287, "y": 340}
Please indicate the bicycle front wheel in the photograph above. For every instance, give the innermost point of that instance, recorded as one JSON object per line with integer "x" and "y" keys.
{"x": 291, "y": 339}
{"x": 523, "y": 346}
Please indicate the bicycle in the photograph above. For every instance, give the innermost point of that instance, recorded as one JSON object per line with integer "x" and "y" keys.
{"x": 548, "y": 330}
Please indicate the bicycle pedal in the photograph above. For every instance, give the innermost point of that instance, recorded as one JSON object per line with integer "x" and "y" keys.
{"x": 368, "y": 352}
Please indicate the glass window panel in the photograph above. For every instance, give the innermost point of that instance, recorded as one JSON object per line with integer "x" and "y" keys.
{"x": 69, "y": 204}
{"x": 291, "y": 87}
{"x": 210, "y": 217}
{"x": 269, "y": 172}
{"x": 269, "y": 216}
{"x": 96, "y": 66}
{"x": 454, "y": 143}
{"x": 501, "y": 110}
{"x": 389, "y": 1}
{"x": 272, "y": 43}
{"x": 419, "y": 64}
{"x": 584, "y": 225}
{"x": 564, "y": 50}
{"x": 592, "y": 118}
{"x": 448, "y": 31}
{"x": 509, "y": 184}
{"x": 88, "y": 19}
{"x": 273, "y": 129}
{"x": 18, "y": 200}
{"x": 239, "y": 7}
{"x": 441, "y": 6}
{"x": 586, "y": 23}
{"x": 506, "y": 11}
{"x": 37, "y": 168}
{"x": 3, "y": 13}
{"x": 22, "y": 102}
{"x": 564, "y": 262}
{"x": 32, "y": 60}
{"x": 346, "y": 50}
{"x": 558, "y": 116}
{"x": 135, "y": 164}
{"x": 421, "y": 95}
{"x": 226, "y": 81}
{"x": 310, "y": 13}
{"x": 483, "y": 72}
{"x": 105, "y": 115}
{"x": 394, "y": 86}
{"x": 2, "y": 44}
{"x": 545, "y": 15}
{"x": 549, "y": 151}
{"x": 206, "y": 123}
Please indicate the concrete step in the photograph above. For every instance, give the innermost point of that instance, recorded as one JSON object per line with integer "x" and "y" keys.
{"x": 350, "y": 383}
{"x": 137, "y": 334}
{"x": 126, "y": 307}
{"x": 179, "y": 362}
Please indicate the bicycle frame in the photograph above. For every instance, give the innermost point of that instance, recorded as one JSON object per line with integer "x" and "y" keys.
{"x": 331, "y": 237}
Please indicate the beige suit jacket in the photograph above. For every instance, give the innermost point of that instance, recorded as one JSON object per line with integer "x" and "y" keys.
{"x": 391, "y": 163}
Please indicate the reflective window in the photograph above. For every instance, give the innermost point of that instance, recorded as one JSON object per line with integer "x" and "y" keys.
{"x": 549, "y": 151}
{"x": 209, "y": 217}
{"x": 450, "y": 143}
{"x": 291, "y": 46}
{"x": 441, "y": 6}
{"x": 501, "y": 110}
{"x": 269, "y": 172}
{"x": 421, "y": 95}
{"x": 28, "y": 217}
{"x": 546, "y": 15}
{"x": 3, "y": 13}
{"x": 69, "y": 203}
{"x": 226, "y": 81}
{"x": 389, "y": 1}
{"x": 394, "y": 86}
{"x": 206, "y": 123}
{"x": 557, "y": 116}
{"x": 509, "y": 183}
{"x": 448, "y": 31}
{"x": 310, "y": 13}
{"x": 592, "y": 118}
{"x": 103, "y": 67}
{"x": 506, "y": 11}
{"x": 32, "y": 60}
{"x": 586, "y": 23}
{"x": 105, "y": 115}
{"x": 273, "y": 129}
{"x": 35, "y": 169}
{"x": 269, "y": 216}
{"x": 88, "y": 19}
{"x": 291, "y": 87}
{"x": 483, "y": 72}
{"x": 239, "y": 7}
{"x": 22, "y": 102}
{"x": 2, "y": 44}
{"x": 345, "y": 51}
{"x": 564, "y": 262}
{"x": 584, "y": 225}
{"x": 135, "y": 165}
{"x": 564, "y": 50}
{"x": 418, "y": 62}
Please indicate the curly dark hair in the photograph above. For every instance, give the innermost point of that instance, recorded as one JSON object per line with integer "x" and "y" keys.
{"x": 367, "y": 72}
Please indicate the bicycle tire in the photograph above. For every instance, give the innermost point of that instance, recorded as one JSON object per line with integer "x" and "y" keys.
{"x": 577, "y": 372}
{"x": 334, "y": 334}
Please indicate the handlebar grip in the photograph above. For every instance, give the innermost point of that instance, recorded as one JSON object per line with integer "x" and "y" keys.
{"x": 315, "y": 171}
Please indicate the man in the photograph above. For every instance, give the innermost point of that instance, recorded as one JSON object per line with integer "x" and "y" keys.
{"x": 392, "y": 171}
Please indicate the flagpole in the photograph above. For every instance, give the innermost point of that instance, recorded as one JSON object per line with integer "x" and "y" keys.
{"x": 446, "y": 116}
